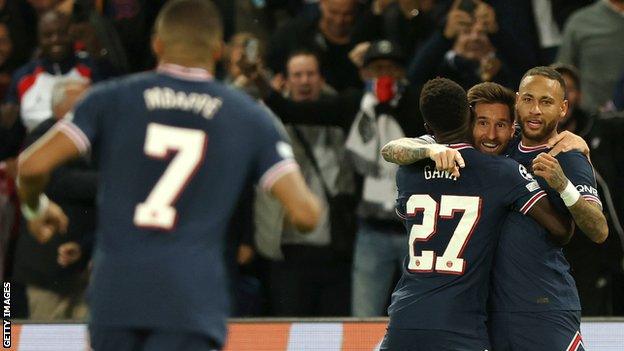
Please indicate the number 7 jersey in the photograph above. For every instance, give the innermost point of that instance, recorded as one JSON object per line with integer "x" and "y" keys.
{"x": 453, "y": 226}
{"x": 174, "y": 149}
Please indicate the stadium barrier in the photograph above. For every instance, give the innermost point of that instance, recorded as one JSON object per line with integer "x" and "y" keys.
{"x": 599, "y": 334}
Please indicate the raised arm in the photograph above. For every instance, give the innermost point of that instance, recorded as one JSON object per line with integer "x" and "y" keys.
{"x": 587, "y": 215}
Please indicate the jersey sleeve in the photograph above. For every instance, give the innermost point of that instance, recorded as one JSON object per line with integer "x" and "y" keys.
{"x": 83, "y": 124}
{"x": 522, "y": 190}
{"x": 275, "y": 156}
{"x": 581, "y": 174}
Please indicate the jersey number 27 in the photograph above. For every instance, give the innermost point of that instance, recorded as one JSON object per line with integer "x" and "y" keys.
{"x": 450, "y": 262}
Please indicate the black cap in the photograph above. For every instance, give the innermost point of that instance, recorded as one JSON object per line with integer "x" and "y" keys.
{"x": 383, "y": 49}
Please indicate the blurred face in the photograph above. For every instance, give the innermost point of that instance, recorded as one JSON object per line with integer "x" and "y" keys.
{"x": 337, "y": 16}
{"x": 493, "y": 127}
{"x": 383, "y": 67}
{"x": 574, "y": 93}
{"x": 304, "y": 81}
{"x": 6, "y": 46}
{"x": 54, "y": 38}
{"x": 540, "y": 105}
{"x": 473, "y": 43}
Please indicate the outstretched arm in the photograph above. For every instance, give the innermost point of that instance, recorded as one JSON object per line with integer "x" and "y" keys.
{"x": 406, "y": 151}
{"x": 587, "y": 215}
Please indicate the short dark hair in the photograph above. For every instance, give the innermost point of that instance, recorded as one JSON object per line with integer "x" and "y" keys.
{"x": 547, "y": 72}
{"x": 492, "y": 93}
{"x": 194, "y": 25}
{"x": 302, "y": 52}
{"x": 570, "y": 70}
{"x": 444, "y": 105}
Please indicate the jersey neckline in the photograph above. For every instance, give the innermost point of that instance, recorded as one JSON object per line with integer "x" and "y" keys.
{"x": 183, "y": 72}
{"x": 528, "y": 149}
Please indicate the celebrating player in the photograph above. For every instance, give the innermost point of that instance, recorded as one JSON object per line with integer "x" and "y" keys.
{"x": 174, "y": 149}
{"x": 440, "y": 301}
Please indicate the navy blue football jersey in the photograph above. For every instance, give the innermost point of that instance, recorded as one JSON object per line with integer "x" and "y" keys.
{"x": 530, "y": 271}
{"x": 453, "y": 225}
{"x": 174, "y": 150}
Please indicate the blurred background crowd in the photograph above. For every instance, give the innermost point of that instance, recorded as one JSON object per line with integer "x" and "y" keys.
{"x": 330, "y": 70}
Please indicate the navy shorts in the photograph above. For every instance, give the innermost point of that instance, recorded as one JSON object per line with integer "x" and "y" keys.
{"x": 536, "y": 331}
{"x": 121, "y": 339}
{"x": 433, "y": 340}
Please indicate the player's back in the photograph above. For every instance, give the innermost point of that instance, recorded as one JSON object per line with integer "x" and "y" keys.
{"x": 174, "y": 153}
{"x": 453, "y": 226}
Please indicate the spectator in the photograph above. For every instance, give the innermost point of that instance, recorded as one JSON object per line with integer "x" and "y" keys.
{"x": 388, "y": 108}
{"x": 55, "y": 272}
{"x": 462, "y": 51}
{"x": 530, "y": 31}
{"x": 30, "y": 92}
{"x": 592, "y": 41}
{"x": 330, "y": 36}
{"x": 241, "y": 46}
{"x": 314, "y": 279}
{"x": 20, "y": 20}
{"x": 10, "y": 138}
{"x": 576, "y": 120}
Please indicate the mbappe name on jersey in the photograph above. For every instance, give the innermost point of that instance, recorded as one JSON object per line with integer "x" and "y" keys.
{"x": 431, "y": 173}
{"x": 167, "y": 98}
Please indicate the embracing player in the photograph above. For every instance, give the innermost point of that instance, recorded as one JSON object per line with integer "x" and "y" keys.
{"x": 175, "y": 149}
{"x": 453, "y": 225}
{"x": 534, "y": 299}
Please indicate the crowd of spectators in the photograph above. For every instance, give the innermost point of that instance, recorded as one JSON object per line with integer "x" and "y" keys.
{"x": 344, "y": 77}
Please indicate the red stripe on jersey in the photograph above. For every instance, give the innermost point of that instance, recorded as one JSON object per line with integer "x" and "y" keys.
{"x": 83, "y": 70}
{"x": 532, "y": 201}
{"x": 576, "y": 342}
{"x": 277, "y": 171}
{"x": 75, "y": 134}
{"x": 525, "y": 149}
{"x": 26, "y": 82}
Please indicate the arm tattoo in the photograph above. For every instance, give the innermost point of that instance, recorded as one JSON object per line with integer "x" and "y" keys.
{"x": 590, "y": 219}
{"x": 402, "y": 154}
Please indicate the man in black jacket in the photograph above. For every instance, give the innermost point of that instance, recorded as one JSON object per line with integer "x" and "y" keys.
{"x": 54, "y": 272}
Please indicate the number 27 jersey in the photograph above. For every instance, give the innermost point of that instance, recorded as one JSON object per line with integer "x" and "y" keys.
{"x": 453, "y": 225}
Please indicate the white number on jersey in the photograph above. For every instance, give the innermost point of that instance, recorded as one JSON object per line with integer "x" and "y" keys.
{"x": 190, "y": 145}
{"x": 449, "y": 262}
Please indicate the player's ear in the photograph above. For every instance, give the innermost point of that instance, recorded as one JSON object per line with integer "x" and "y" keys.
{"x": 564, "y": 109}
{"x": 157, "y": 45}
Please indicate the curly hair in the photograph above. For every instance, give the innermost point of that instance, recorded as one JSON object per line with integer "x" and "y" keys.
{"x": 444, "y": 105}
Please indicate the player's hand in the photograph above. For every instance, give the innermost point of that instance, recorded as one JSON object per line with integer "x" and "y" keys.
{"x": 53, "y": 220}
{"x": 547, "y": 167}
{"x": 447, "y": 159}
{"x": 567, "y": 141}
{"x": 68, "y": 253}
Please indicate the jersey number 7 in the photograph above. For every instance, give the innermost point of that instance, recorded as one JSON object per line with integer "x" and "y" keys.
{"x": 157, "y": 212}
{"x": 450, "y": 262}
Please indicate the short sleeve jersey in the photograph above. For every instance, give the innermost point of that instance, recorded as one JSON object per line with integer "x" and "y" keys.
{"x": 453, "y": 226}
{"x": 174, "y": 149}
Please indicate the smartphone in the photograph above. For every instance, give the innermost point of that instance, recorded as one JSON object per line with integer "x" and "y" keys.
{"x": 467, "y": 6}
{"x": 251, "y": 50}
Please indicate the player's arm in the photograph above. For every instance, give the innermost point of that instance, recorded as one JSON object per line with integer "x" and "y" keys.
{"x": 35, "y": 165}
{"x": 587, "y": 215}
{"x": 567, "y": 141}
{"x": 405, "y": 151}
{"x": 303, "y": 209}
{"x": 560, "y": 227}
